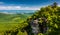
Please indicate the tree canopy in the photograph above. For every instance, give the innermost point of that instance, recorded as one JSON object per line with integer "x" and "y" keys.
{"x": 52, "y": 13}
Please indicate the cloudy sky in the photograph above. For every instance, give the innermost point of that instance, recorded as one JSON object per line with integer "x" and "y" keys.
{"x": 25, "y": 4}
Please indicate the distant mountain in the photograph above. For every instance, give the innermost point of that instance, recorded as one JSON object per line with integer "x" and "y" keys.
{"x": 16, "y": 11}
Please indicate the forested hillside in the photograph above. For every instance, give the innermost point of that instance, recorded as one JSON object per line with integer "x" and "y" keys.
{"x": 10, "y": 21}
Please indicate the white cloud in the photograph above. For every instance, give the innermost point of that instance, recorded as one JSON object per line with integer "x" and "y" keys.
{"x": 10, "y": 7}
{"x": 1, "y": 2}
{"x": 30, "y": 8}
{"x": 18, "y": 8}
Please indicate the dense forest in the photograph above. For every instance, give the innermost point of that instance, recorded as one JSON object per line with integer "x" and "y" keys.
{"x": 51, "y": 12}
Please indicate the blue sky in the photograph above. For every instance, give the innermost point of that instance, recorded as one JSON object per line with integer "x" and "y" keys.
{"x": 25, "y": 4}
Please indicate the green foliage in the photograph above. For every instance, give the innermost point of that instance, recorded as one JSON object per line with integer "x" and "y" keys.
{"x": 52, "y": 13}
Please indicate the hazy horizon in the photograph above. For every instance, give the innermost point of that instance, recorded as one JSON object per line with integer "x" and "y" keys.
{"x": 16, "y": 11}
